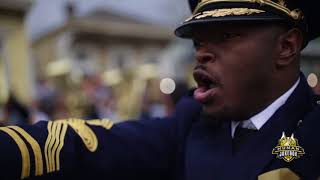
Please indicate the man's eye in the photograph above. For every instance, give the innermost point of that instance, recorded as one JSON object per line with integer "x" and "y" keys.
{"x": 227, "y": 36}
{"x": 197, "y": 44}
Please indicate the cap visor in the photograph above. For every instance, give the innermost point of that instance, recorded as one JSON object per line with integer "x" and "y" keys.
{"x": 186, "y": 29}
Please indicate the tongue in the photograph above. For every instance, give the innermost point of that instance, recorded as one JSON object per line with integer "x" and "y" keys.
{"x": 201, "y": 94}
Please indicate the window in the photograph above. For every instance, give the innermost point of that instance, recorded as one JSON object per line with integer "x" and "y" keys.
{"x": 85, "y": 59}
{"x": 120, "y": 57}
{"x": 150, "y": 55}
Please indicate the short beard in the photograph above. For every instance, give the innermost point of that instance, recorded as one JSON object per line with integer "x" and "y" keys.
{"x": 213, "y": 121}
{"x": 225, "y": 115}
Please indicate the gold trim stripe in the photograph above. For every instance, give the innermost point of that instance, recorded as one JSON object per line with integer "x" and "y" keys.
{"x": 52, "y": 141}
{"x": 25, "y": 172}
{"x": 49, "y": 127}
{"x": 55, "y": 146}
{"x": 61, "y": 140}
{"x": 35, "y": 147}
{"x": 295, "y": 14}
{"x": 49, "y": 144}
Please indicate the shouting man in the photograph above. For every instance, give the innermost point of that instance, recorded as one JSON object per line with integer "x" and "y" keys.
{"x": 249, "y": 118}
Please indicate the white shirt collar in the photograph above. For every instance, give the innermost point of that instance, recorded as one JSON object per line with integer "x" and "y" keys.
{"x": 258, "y": 120}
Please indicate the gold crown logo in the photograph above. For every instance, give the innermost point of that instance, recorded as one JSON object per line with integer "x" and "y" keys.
{"x": 287, "y": 141}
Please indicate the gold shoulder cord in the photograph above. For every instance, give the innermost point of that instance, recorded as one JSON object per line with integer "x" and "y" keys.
{"x": 106, "y": 123}
{"x": 35, "y": 147}
{"x": 85, "y": 132}
{"x": 23, "y": 150}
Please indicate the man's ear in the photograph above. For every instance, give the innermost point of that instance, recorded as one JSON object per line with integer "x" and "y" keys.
{"x": 290, "y": 46}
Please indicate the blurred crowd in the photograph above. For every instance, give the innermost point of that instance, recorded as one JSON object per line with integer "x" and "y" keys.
{"x": 94, "y": 101}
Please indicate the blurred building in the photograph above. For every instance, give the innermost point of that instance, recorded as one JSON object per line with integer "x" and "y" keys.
{"x": 124, "y": 52}
{"x": 15, "y": 66}
{"x": 127, "y": 54}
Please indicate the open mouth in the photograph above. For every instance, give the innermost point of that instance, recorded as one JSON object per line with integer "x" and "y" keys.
{"x": 207, "y": 86}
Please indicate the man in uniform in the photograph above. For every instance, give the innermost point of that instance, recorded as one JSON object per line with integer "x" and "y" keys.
{"x": 257, "y": 118}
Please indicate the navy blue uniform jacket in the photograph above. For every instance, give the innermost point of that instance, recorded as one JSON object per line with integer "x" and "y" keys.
{"x": 181, "y": 147}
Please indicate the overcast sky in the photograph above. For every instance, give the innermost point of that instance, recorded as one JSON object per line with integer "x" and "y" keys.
{"x": 45, "y": 15}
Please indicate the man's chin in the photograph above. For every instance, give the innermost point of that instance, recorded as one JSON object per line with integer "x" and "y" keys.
{"x": 223, "y": 114}
{"x": 214, "y": 113}
{"x": 212, "y": 110}
{"x": 213, "y": 120}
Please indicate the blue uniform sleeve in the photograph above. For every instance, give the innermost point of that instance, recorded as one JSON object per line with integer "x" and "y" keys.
{"x": 74, "y": 148}
{"x": 94, "y": 147}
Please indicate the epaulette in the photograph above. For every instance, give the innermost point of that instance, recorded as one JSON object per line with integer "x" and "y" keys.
{"x": 53, "y": 145}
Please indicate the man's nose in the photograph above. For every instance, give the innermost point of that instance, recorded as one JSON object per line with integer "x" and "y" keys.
{"x": 203, "y": 57}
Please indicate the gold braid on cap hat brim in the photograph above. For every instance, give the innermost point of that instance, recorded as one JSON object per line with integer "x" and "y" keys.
{"x": 225, "y": 12}
{"x": 296, "y": 14}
